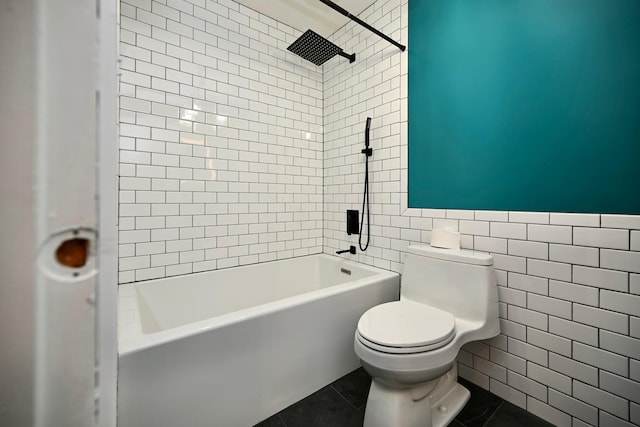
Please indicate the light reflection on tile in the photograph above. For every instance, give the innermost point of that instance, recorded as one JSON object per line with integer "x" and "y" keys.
{"x": 193, "y": 115}
{"x": 191, "y": 138}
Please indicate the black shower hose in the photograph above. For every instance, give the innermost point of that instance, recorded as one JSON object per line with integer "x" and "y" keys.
{"x": 365, "y": 196}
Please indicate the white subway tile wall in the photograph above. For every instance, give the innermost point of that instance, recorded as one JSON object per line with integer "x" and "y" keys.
{"x": 220, "y": 140}
{"x": 568, "y": 283}
{"x": 235, "y": 151}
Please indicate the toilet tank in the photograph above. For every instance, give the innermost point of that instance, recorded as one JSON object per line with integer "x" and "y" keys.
{"x": 462, "y": 282}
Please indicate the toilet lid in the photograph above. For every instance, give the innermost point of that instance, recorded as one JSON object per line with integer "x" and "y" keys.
{"x": 406, "y": 325}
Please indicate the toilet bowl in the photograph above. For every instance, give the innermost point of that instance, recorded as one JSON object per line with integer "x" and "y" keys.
{"x": 409, "y": 347}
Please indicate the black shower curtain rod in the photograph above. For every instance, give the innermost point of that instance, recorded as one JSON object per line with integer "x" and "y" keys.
{"x": 346, "y": 13}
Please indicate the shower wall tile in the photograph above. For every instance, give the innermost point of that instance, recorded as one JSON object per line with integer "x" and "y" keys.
{"x": 574, "y": 407}
{"x": 221, "y": 133}
{"x": 635, "y": 240}
{"x": 601, "y": 237}
{"x": 527, "y": 386}
{"x": 568, "y": 283}
{"x": 549, "y": 413}
{"x": 576, "y": 370}
{"x": 621, "y": 221}
{"x": 584, "y": 220}
{"x": 609, "y": 420}
{"x": 550, "y": 233}
{"x": 601, "y": 278}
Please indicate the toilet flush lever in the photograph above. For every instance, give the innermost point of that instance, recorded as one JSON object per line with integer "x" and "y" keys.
{"x": 351, "y": 250}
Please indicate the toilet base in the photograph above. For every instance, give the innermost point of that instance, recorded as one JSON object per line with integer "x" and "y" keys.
{"x": 432, "y": 404}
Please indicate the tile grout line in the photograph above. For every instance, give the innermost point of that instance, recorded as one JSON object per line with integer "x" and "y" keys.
{"x": 282, "y": 419}
{"x": 343, "y": 397}
{"x": 486, "y": 424}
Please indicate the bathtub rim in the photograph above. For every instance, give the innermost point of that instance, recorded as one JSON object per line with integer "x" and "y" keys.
{"x": 131, "y": 339}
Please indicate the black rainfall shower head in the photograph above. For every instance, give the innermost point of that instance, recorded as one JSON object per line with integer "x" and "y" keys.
{"x": 315, "y": 48}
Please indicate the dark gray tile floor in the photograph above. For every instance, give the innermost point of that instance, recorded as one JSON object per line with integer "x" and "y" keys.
{"x": 342, "y": 403}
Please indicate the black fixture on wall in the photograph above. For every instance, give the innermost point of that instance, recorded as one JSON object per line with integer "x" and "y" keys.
{"x": 368, "y": 152}
{"x": 346, "y": 13}
{"x": 352, "y": 222}
{"x": 317, "y": 49}
{"x": 351, "y": 250}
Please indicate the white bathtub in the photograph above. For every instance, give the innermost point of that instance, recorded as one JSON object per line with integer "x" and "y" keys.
{"x": 232, "y": 347}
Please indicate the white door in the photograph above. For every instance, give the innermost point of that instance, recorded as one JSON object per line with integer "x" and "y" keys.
{"x": 49, "y": 110}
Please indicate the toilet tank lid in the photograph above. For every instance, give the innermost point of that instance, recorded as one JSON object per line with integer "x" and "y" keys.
{"x": 455, "y": 255}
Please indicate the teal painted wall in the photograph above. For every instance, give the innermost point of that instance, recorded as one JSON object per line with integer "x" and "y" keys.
{"x": 529, "y": 105}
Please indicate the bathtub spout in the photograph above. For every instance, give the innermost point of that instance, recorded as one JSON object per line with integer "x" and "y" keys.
{"x": 351, "y": 250}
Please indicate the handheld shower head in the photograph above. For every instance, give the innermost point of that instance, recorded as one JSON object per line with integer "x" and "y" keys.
{"x": 366, "y": 132}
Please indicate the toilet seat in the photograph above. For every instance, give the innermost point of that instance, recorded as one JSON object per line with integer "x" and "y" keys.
{"x": 405, "y": 327}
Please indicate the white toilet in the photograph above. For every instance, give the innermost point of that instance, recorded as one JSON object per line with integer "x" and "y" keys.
{"x": 447, "y": 298}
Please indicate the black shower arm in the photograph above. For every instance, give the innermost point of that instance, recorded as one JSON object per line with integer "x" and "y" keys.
{"x": 351, "y": 57}
{"x": 346, "y": 13}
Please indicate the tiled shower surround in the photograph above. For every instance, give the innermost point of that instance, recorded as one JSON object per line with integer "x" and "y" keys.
{"x": 220, "y": 140}
{"x": 569, "y": 284}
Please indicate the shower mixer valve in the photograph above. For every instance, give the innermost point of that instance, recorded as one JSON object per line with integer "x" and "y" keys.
{"x": 352, "y": 222}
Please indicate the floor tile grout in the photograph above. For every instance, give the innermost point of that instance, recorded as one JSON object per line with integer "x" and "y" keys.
{"x": 347, "y": 400}
{"x": 493, "y": 414}
{"x": 282, "y": 419}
